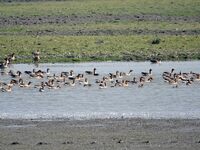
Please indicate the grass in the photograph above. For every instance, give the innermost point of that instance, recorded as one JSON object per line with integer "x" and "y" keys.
{"x": 21, "y": 39}
{"x": 98, "y": 48}
{"x": 88, "y": 7}
{"x": 132, "y": 25}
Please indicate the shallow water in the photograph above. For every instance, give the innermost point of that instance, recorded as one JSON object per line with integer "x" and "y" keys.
{"x": 155, "y": 100}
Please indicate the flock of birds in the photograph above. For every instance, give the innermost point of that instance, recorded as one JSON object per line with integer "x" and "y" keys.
{"x": 43, "y": 79}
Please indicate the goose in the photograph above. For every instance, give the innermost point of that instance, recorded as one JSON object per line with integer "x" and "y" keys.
{"x": 155, "y": 61}
{"x": 15, "y": 75}
{"x": 11, "y": 58}
{"x": 25, "y": 84}
{"x": 168, "y": 73}
{"x": 61, "y": 77}
{"x": 36, "y": 56}
{"x": 7, "y": 89}
{"x": 127, "y": 74}
{"x": 147, "y": 73}
{"x": 92, "y": 72}
{"x": 40, "y": 72}
{"x": 134, "y": 81}
{"x": 11, "y": 83}
{"x": 79, "y": 77}
{"x": 54, "y": 87}
{"x": 114, "y": 75}
{"x": 29, "y": 72}
{"x": 102, "y": 85}
{"x": 110, "y": 78}
{"x": 70, "y": 83}
{"x": 3, "y": 65}
{"x": 50, "y": 83}
{"x": 85, "y": 82}
{"x": 42, "y": 84}
{"x": 41, "y": 89}
{"x": 124, "y": 83}
{"x": 189, "y": 82}
{"x": 149, "y": 79}
{"x": 120, "y": 75}
{"x": 71, "y": 74}
{"x": 173, "y": 81}
{"x": 53, "y": 76}
{"x": 37, "y": 76}
{"x": 141, "y": 82}
{"x": 118, "y": 83}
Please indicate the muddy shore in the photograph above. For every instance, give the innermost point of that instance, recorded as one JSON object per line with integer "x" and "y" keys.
{"x": 100, "y": 134}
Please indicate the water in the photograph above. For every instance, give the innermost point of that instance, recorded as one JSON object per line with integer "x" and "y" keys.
{"x": 155, "y": 100}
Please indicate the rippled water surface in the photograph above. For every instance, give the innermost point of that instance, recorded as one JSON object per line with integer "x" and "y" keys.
{"x": 155, "y": 100}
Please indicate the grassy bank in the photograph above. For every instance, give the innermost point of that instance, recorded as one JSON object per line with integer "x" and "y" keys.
{"x": 98, "y": 48}
{"x": 93, "y": 30}
{"x": 115, "y": 25}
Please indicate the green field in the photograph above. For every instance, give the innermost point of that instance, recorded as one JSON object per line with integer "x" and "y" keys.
{"x": 84, "y": 7}
{"x": 101, "y": 30}
{"x": 99, "y": 48}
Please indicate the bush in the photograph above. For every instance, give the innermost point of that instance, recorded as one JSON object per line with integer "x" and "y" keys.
{"x": 156, "y": 41}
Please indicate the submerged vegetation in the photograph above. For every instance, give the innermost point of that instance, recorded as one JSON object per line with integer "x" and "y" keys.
{"x": 92, "y": 30}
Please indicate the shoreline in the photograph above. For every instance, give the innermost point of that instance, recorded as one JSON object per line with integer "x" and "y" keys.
{"x": 132, "y": 133}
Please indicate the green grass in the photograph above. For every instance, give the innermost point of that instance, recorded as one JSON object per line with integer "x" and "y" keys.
{"x": 85, "y": 7}
{"x": 98, "y": 48}
{"x": 132, "y": 25}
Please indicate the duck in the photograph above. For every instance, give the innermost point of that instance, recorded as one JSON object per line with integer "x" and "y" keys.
{"x": 147, "y": 73}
